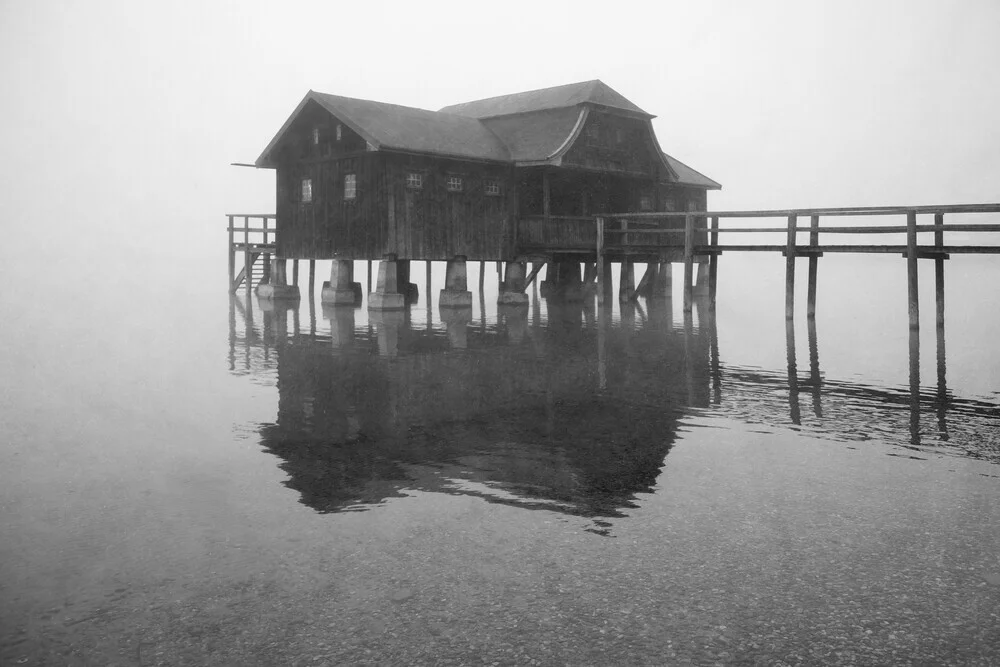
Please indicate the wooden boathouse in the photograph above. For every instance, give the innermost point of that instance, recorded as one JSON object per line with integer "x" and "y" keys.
{"x": 510, "y": 179}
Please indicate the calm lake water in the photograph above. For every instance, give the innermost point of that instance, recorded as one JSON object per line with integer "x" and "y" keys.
{"x": 190, "y": 479}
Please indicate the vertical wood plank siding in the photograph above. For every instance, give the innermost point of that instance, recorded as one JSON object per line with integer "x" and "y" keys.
{"x": 387, "y": 216}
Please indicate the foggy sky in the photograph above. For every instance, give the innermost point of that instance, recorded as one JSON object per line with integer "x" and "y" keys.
{"x": 120, "y": 119}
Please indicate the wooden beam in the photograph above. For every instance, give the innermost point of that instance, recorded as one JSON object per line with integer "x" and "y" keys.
{"x": 688, "y": 262}
{"x": 790, "y": 268}
{"x": 535, "y": 268}
{"x": 713, "y": 263}
{"x": 232, "y": 259}
{"x": 913, "y": 291}
{"x": 813, "y": 266}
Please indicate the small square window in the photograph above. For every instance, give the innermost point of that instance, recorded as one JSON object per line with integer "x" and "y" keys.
{"x": 339, "y": 132}
{"x": 645, "y": 203}
{"x": 350, "y": 186}
{"x": 454, "y": 183}
{"x": 492, "y": 188}
{"x": 307, "y": 190}
{"x": 316, "y": 136}
{"x": 414, "y": 180}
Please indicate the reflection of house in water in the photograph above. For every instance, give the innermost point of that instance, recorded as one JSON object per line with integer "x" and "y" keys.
{"x": 570, "y": 417}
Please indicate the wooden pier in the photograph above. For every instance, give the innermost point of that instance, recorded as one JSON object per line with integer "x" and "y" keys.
{"x": 692, "y": 237}
{"x": 645, "y": 234}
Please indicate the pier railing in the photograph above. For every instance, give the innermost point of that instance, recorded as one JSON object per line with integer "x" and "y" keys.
{"x": 699, "y": 232}
{"x": 251, "y": 234}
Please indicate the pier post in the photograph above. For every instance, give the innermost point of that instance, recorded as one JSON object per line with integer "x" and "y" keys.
{"x": 663, "y": 286}
{"x": 312, "y": 276}
{"x": 386, "y": 295}
{"x": 482, "y": 275}
{"x": 713, "y": 263}
{"x": 232, "y": 259}
{"x": 277, "y": 286}
{"x": 456, "y": 292}
{"x": 939, "y": 268}
{"x": 913, "y": 291}
{"x": 701, "y": 287}
{"x": 562, "y": 280}
{"x": 626, "y": 282}
{"x": 409, "y": 290}
{"x": 512, "y": 290}
{"x": 645, "y": 286}
{"x": 599, "y": 267}
{"x": 295, "y": 272}
{"x": 790, "y": 267}
{"x": 247, "y": 271}
{"x": 341, "y": 290}
{"x": 427, "y": 291}
{"x": 688, "y": 262}
{"x": 813, "y": 266}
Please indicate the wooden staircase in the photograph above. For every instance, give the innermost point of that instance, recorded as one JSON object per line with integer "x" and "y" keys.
{"x": 258, "y": 273}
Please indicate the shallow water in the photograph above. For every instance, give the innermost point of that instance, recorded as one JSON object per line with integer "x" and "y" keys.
{"x": 191, "y": 479}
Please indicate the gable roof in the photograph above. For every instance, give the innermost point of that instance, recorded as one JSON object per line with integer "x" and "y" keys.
{"x": 396, "y": 127}
{"x": 570, "y": 95}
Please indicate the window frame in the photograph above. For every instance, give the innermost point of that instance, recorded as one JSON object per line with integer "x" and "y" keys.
{"x": 350, "y": 193}
{"x": 306, "y": 191}
{"x": 414, "y": 180}
{"x": 454, "y": 183}
{"x": 492, "y": 187}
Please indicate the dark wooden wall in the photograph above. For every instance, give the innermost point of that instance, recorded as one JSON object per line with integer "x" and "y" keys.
{"x": 388, "y": 216}
{"x": 616, "y": 144}
{"x": 434, "y": 223}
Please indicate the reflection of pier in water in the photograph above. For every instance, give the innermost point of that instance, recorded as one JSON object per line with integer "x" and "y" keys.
{"x": 575, "y": 414}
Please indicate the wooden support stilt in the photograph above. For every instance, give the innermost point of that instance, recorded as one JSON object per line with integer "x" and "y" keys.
{"x": 535, "y": 268}
{"x": 601, "y": 279}
{"x": 790, "y": 268}
{"x": 626, "y": 282}
{"x": 939, "y": 269}
{"x": 232, "y": 259}
{"x": 370, "y": 286}
{"x": 312, "y": 276}
{"x": 645, "y": 286}
{"x": 248, "y": 269}
{"x": 913, "y": 291}
{"x": 813, "y": 266}
{"x": 427, "y": 291}
{"x": 295, "y": 272}
{"x": 713, "y": 264}
{"x": 482, "y": 275}
{"x": 688, "y": 262}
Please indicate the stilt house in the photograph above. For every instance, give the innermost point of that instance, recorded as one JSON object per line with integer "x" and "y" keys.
{"x": 513, "y": 177}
